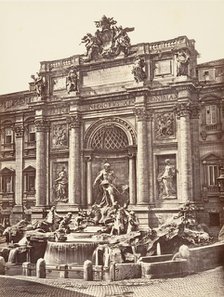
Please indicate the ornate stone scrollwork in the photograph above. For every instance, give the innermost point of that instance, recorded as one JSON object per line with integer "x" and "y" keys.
{"x": 42, "y": 125}
{"x": 164, "y": 125}
{"x": 203, "y": 135}
{"x": 19, "y": 129}
{"x": 74, "y": 121}
{"x": 194, "y": 111}
{"x": 141, "y": 113}
{"x": 183, "y": 109}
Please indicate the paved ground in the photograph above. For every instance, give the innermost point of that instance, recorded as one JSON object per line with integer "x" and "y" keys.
{"x": 206, "y": 284}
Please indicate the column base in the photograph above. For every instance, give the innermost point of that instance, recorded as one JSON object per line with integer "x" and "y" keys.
{"x": 17, "y": 214}
{"x": 39, "y": 212}
{"x": 65, "y": 208}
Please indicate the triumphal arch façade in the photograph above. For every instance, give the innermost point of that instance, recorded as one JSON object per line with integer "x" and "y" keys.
{"x": 141, "y": 108}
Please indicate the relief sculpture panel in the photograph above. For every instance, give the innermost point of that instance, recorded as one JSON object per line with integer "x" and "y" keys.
{"x": 59, "y": 136}
{"x": 164, "y": 125}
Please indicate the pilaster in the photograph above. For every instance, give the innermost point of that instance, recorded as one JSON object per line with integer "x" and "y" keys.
{"x": 89, "y": 179}
{"x": 132, "y": 175}
{"x": 194, "y": 117}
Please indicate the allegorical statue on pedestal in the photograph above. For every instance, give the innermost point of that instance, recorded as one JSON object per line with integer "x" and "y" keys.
{"x": 138, "y": 70}
{"x": 108, "y": 41}
{"x": 61, "y": 186}
{"x": 72, "y": 81}
{"x": 182, "y": 62}
{"x": 40, "y": 84}
{"x": 104, "y": 182}
{"x": 166, "y": 180}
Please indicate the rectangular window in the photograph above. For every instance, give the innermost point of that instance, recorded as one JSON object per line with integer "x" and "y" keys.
{"x": 30, "y": 182}
{"x": 32, "y": 134}
{"x": 8, "y": 135}
{"x": 6, "y": 184}
{"x": 211, "y": 115}
{"x": 213, "y": 173}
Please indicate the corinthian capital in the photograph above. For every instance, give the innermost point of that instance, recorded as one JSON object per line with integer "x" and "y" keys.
{"x": 183, "y": 109}
{"x": 19, "y": 129}
{"x": 42, "y": 125}
{"x": 141, "y": 113}
{"x": 74, "y": 121}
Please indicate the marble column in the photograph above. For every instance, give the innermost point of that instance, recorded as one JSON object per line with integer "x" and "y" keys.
{"x": 142, "y": 156}
{"x": 132, "y": 177}
{"x": 42, "y": 129}
{"x": 150, "y": 156}
{"x": 19, "y": 129}
{"x": 89, "y": 182}
{"x": 74, "y": 187}
{"x": 185, "y": 186}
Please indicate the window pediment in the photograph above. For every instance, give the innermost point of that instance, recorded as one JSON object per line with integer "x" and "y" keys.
{"x": 7, "y": 171}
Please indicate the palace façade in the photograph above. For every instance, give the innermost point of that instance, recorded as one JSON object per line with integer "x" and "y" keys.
{"x": 149, "y": 110}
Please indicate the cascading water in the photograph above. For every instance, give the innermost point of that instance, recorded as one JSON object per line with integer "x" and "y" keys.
{"x": 12, "y": 259}
{"x": 70, "y": 252}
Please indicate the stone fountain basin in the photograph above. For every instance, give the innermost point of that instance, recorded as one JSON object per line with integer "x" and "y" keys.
{"x": 78, "y": 248}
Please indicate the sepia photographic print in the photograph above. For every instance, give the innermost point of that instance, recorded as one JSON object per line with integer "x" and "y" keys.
{"x": 112, "y": 148}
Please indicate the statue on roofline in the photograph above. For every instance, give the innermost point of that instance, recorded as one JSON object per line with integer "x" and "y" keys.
{"x": 182, "y": 62}
{"x": 40, "y": 84}
{"x": 108, "y": 41}
{"x": 138, "y": 70}
{"x": 72, "y": 81}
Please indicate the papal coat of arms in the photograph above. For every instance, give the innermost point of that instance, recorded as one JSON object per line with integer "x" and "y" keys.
{"x": 108, "y": 41}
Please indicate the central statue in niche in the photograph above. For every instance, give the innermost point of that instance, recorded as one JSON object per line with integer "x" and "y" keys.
{"x": 104, "y": 182}
{"x": 111, "y": 203}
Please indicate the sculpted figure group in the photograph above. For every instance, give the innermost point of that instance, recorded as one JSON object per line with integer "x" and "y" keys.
{"x": 108, "y": 41}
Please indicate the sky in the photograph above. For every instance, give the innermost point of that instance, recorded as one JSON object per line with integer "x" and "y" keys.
{"x": 34, "y": 31}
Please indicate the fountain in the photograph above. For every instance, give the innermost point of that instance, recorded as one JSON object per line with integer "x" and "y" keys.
{"x": 74, "y": 251}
